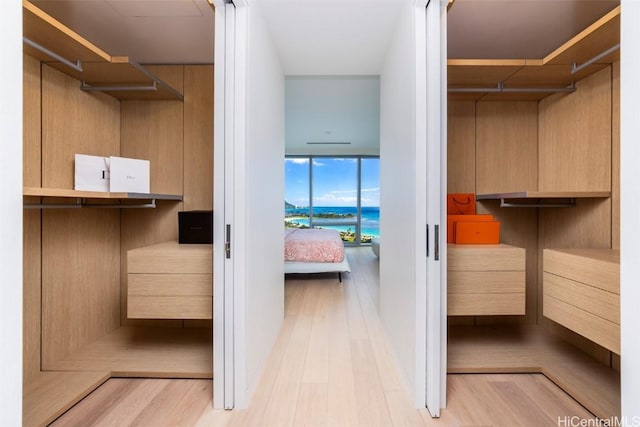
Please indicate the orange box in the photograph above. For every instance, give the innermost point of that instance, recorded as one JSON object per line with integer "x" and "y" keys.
{"x": 471, "y": 233}
{"x": 452, "y": 219}
{"x": 461, "y": 204}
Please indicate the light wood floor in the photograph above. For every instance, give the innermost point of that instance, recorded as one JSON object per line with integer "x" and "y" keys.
{"x": 331, "y": 366}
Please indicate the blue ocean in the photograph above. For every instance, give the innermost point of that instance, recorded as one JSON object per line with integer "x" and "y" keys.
{"x": 370, "y": 223}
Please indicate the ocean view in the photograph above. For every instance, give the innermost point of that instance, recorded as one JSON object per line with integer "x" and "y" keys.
{"x": 370, "y": 223}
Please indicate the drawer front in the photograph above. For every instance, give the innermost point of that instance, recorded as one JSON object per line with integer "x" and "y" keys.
{"x": 597, "y": 329}
{"x": 592, "y": 300}
{"x": 190, "y": 260}
{"x": 485, "y": 258}
{"x": 169, "y": 307}
{"x": 598, "y": 273}
{"x": 485, "y": 282}
{"x": 170, "y": 284}
{"x": 486, "y": 304}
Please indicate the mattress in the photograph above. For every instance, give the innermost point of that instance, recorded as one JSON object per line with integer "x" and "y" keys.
{"x": 318, "y": 245}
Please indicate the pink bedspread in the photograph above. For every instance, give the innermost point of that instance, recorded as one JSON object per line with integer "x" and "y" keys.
{"x": 313, "y": 245}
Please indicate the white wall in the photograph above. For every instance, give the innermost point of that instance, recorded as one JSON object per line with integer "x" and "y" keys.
{"x": 397, "y": 195}
{"x": 332, "y": 109}
{"x": 264, "y": 198}
{"x": 11, "y": 213}
{"x": 630, "y": 210}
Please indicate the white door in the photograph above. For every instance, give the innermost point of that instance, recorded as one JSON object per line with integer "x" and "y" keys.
{"x": 225, "y": 136}
{"x": 436, "y": 184}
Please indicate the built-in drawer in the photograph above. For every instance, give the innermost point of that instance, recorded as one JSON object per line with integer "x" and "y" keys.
{"x": 485, "y": 280}
{"x": 582, "y": 292}
{"x": 170, "y": 281}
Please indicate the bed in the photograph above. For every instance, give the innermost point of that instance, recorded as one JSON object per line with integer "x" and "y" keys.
{"x": 314, "y": 250}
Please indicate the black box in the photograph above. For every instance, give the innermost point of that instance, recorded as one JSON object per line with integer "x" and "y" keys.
{"x": 195, "y": 227}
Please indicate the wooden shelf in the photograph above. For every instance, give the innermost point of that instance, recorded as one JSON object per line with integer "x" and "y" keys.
{"x": 545, "y": 195}
{"x": 118, "y": 76}
{"x": 50, "y": 394}
{"x": 146, "y": 352}
{"x": 531, "y": 349}
{"x": 65, "y": 193}
{"x": 551, "y": 72}
{"x": 43, "y": 29}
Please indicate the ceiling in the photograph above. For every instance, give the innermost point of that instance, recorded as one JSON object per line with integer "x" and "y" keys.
{"x": 325, "y": 37}
{"x": 331, "y": 37}
{"x": 332, "y": 115}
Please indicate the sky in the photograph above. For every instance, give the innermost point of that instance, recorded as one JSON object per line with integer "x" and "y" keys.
{"x": 335, "y": 181}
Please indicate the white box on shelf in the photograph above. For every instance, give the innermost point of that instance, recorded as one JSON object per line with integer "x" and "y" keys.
{"x": 91, "y": 173}
{"x": 130, "y": 175}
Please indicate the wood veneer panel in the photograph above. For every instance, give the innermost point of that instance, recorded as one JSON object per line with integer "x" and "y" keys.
{"x": 615, "y": 157}
{"x": 170, "y": 284}
{"x": 146, "y": 352}
{"x": 32, "y": 294}
{"x": 171, "y": 258}
{"x": 198, "y": 137}
{"x": 485, "y": 282}
{"x": 31, "y": 122}
{"x": 480, "y": 73}
{"x": 575, "y": 137}
{"x": 480, "y": 304}
{"x": 484, "y": 258}
{"x": 73, "y": 122}
{"x": 520, "y": 348}
{"x": 50, "y": 394}
{"x": 145, "y": 227}
{"x": 599, "y": 268}
{"x": 588, "y": 225}
{"x": 593, "y": 300}
{"x": 461, "y": 147}
{"x": 506, "y": 146}
{"x": 173, "y": 75}
{"x": 518, "y": 227}
{"x": 595, "y": 328}
{"x": 152, "y": 130}
{"x": 80, "y": 279}
{"x": 52, "y": 34}
{"x": 593, "y": 40}
{"x": 170, "y": 307}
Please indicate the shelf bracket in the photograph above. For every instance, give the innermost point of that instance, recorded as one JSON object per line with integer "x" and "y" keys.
{"x": 77, "y": 66}
{"x": 144, "y": 88}
{"x": 569, "y": 204}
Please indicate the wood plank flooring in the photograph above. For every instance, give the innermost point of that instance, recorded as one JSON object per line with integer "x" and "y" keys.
{"x": 331, "y": 366}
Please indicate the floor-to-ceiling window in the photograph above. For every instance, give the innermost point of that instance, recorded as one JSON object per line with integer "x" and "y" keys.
{"x": 341, "y": 193}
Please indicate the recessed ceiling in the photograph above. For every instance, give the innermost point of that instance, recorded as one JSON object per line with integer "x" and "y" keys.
{"x": 518, "y": 29}
{"x": 148, "y": 31}
{"x": 329, "y": 37}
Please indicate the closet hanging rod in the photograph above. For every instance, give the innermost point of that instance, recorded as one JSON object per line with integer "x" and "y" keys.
{"x": 575, "y": 68}
{"x": 88, "y": 88}
{"x": 501, "y": 89}
{"x": 570, "y": 204}
{"x": 80, "y": 203}
{"x": 77, "y": 66}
